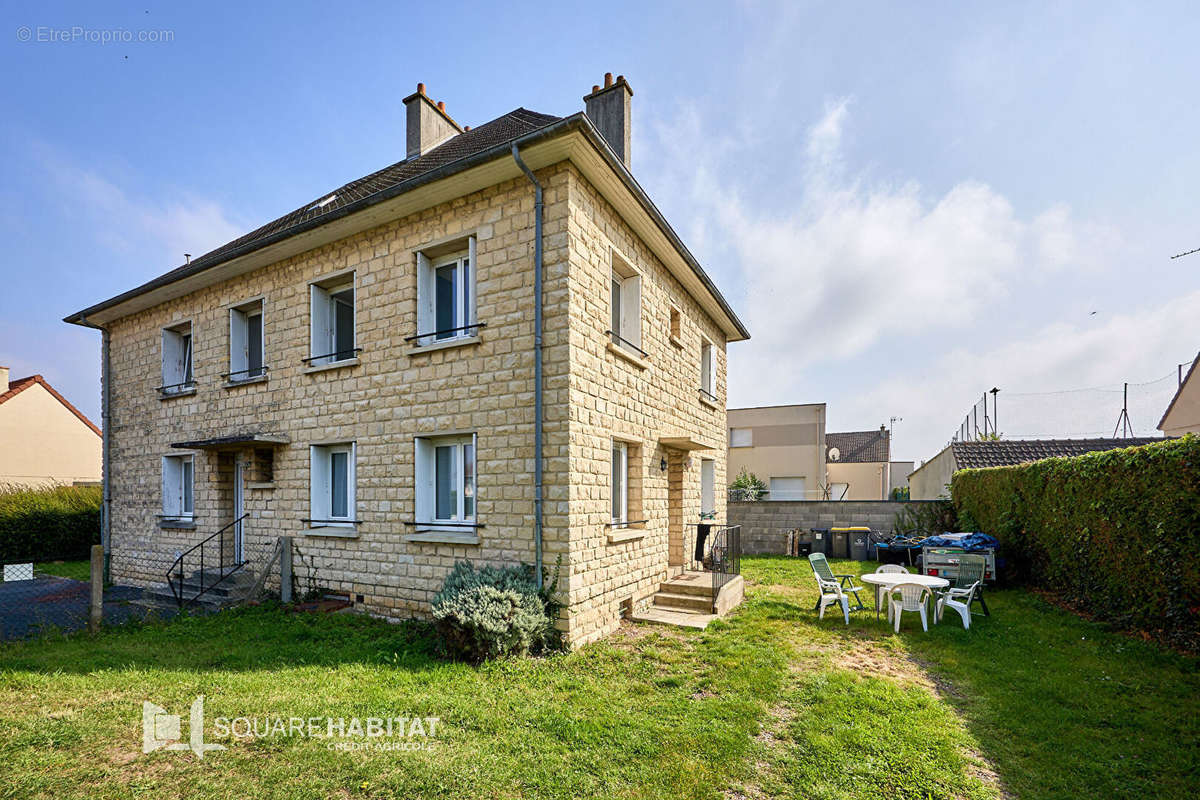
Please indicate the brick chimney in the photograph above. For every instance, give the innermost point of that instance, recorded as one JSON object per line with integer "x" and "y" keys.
{"x": 428, "y": 123}
{"x": 3, "y": 380}
{"x": 608, "y": 109}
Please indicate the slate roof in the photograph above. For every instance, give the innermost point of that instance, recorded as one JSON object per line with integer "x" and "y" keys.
{"x": 21, "y": 384}
{"x": 858, "y": 447}
{"x": 511, "y": 126}
{"x": 972, "y": 455}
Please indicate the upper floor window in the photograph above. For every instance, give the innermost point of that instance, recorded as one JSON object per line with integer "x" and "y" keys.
{"x": 177, "y": 359}
{"x": 246, "y": 348}
{"x": 445, "y": 476}
{"x": 708, "y": 384}
{"x": 625, "y": 300}
{"x": 332, "y": 480}
{"x": 741, "y": 437}
{"x": 177, "y": 480}
{"x": 446, "y": 295}
{"x": 333, "y": 321}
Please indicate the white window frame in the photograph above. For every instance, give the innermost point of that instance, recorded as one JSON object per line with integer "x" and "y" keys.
{"x": 178, "y": 487}
{"x": 239, "y": 341}
{"x": 323, "y": 345}
{"x": 784, "y": 494}
{"x": 321, "y": 485}
{"x": 425, "y": 493}
{"x": 625, "y": 304}
{"x": 708, "y": 371}
{"x": 465, "y": 303}
{"x": 178, "y": 362}
{"x": 736, "y": 439}
{"x": 838, "y": 491}
{"x": 619, "y": 482}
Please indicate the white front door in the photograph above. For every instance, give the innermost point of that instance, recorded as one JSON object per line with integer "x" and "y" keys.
{"x": 239, "y": 509}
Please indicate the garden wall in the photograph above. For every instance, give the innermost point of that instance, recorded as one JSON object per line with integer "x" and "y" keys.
{"x": 1116, "y": 533}
{"x": 765, "y": 523}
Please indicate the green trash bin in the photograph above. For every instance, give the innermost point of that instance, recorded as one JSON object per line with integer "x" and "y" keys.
{"x": 840, "y": 542}
{"x": 860, "y": 543}
{"x": 820, "y": 540}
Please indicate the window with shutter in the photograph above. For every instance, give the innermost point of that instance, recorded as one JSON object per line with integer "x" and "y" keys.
{"x": 246, "y": 355}
{"x": 332, "y": 321}
{"x": 445, "y": 481}
{"x": 446, "y": 295}
{"x": 332, "y": 485}
{"x": 177, "y": 359}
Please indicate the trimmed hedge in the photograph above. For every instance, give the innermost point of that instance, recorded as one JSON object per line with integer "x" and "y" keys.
{"x": 1115, "y": 534}
{"x": 56, "y": 523}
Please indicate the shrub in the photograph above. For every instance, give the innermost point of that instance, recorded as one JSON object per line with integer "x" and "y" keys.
{"x": 747, "y": 486}
{"x": 926, "y": 517}
{"x": 1115, "y": 533}
{"x": 53, "y": 523}
{"x": 494, "y": 612}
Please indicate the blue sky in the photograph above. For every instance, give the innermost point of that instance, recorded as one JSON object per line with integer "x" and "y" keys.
{"x": 908, "y": 204}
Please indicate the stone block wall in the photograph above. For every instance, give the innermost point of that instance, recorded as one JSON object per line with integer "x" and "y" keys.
{"x": 765, "y": 523}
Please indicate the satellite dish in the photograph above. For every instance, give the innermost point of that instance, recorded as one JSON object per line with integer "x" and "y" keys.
{"x": 834, "y": 454}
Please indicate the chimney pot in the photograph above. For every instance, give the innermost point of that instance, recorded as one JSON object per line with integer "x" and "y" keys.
{"x": 420, "y": 88}
{"x": 609, "y": 111}
{"x": 441, "y": 105}
{"x": 595, "y": 88}
{"x": 466, "y": 128}
{"x": 3, "y": 380}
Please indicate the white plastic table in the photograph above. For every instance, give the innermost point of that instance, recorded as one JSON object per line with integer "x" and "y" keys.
{"x": 886, "y": 580}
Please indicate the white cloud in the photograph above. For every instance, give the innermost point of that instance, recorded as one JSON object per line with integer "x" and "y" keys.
{"x": 883, "y": 298}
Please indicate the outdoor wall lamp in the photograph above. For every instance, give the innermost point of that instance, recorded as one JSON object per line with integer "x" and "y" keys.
{"x": 662, "y": 465}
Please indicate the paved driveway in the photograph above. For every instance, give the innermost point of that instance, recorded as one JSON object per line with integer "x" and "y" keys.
{"x": 49, "y": 602}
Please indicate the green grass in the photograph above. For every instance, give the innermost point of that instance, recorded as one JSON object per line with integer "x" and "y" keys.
{"x": 769, "y": 703}
{"x": 76, "y": 570}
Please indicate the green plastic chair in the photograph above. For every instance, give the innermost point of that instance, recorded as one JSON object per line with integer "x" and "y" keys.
{"x": 967, "y": 586}
{"x": 834, "y": 588}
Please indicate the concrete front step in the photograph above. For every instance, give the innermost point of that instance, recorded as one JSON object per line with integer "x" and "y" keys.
{"x": 659, "y": 615}
{"x": 684, "y": 602}
{"x": 694, "y": 583}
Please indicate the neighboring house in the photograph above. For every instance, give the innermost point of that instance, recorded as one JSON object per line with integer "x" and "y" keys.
{"x": 930, "y": 480}
{"x": 43, "y": 438}
{"x": 899, "y": 471}
{"x": 362, "y": 374}
{"x": 1183, "y": 414}
{"x": 784, "y": 446}
{"x": 858, "y": 465}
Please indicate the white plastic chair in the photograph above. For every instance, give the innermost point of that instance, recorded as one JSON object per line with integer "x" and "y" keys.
{"x": 891, "y": 568}
{"x": 831, "y": 588}
{"x": 959, "y": 600}
{"x": 908, "y": 597}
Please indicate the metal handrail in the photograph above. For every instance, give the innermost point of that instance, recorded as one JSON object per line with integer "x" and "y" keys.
{"x": 708, "y": 394}
{"x": 417, "y": 336}
{"x": 177, "y": 591}
{"x": 724, "y": 554}
{"x": 171, "y": 388}
{"x": 262, "y": 371}
{"x": 618, "y": 339}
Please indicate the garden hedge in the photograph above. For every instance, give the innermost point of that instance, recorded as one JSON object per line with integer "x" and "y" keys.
{"x": 1116, "y": 534}
{"x": 56, "y": 523}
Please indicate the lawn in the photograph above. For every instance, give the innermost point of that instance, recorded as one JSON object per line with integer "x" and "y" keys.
{"x": 76, "y": 570}
{"x": 1032, "y": 702}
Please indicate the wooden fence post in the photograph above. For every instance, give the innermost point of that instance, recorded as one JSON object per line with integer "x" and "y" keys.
{"x": 96, "y": 607}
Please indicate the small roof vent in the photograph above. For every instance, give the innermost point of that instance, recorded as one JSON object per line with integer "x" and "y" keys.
{"x": 322, "y": 203}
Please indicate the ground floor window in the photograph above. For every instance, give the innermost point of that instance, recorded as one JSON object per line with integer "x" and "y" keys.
{"x": 177, "y": 480}
{"x": 445, "y": 476}
{"x": 795, "y": 488}
{"x": 620, "y": 483}
{"x": 332, "y": 484}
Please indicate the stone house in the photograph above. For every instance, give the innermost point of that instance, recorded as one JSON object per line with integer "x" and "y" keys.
{"x": 496, "y": 349}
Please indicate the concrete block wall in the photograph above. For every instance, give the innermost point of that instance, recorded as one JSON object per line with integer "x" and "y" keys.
{"x": 765, "y": 523}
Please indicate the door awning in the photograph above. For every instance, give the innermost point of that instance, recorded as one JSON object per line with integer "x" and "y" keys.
{"x": 685, "y": 443}
{"x": 233, "y": 441}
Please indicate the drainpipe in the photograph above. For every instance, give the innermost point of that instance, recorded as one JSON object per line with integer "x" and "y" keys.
{"x": 537, "y": 361}
{"x": 105, "y": 445}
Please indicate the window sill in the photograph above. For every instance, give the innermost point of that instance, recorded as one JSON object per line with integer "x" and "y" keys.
{"x": 444, "y": 344}
{"x": 177, "y": 524}
{"x": 704, "y": 401}
{"x": 346, "y": 362}
{"x": 260, "y": 485}
{"x": 626, "y": 535}
{"x": 432, "y": 535}
{"x": 333, "y": 531}
{"x": 244, "y": 382}
{"x": 180, "y": 393}
{"x": 631, "y": 357}
{"x": 675, "y": 340}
